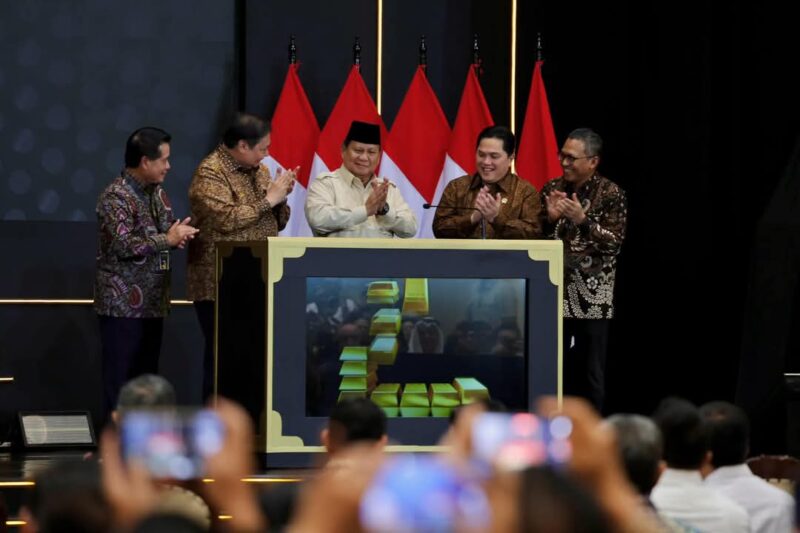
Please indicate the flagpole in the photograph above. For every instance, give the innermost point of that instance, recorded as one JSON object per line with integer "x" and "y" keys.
{"x": 379, "y": 75}
{"x": 514, "y": 66}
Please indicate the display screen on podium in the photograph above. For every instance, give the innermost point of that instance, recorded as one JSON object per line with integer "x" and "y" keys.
{"x": 419, "y": 326}
{"x": 379, "y": 334}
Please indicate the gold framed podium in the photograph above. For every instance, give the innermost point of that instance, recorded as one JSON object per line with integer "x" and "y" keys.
{"x": 419, "y": 326}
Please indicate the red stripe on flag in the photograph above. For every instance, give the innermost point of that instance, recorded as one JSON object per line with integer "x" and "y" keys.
{"x": 537, "y": 152}
{"x": 473, "y": 117}
{"x": 419, "y": 137}
{"x": 295, "y": 128}
{"x": 354, "y": 103}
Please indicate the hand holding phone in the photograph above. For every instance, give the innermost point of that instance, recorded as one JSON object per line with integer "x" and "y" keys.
{"x": 515, "y": 441}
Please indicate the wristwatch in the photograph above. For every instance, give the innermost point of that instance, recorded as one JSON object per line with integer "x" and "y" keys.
{"x": 383, "y": 210}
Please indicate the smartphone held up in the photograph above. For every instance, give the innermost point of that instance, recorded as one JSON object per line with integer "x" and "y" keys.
{"x": 171, "y": 443}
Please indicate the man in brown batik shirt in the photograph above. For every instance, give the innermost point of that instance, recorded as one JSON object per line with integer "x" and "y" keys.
{"x": 495, "y": 198}
{"x": 232, "y": 198}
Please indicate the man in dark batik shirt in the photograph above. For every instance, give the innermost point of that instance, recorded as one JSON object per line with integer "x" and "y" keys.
{"x": 508, "y": 205}
{"x": 136, "y": 232}
{"x": 588, "y": 213}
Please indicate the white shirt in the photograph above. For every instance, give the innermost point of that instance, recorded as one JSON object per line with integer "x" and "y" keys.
{"x": 770, "y": 508}
{"x": 682, "y": 496}
{"x": 335, "y": 208}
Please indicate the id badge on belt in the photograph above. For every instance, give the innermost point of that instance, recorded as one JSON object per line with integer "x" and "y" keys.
{"x": 163, "y": 260}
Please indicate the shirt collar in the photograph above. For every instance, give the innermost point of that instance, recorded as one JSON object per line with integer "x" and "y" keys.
{"x": 673, "y": 476}
{"x": 730, "y": 472}
{"x": 349, "y": 177}
{"x": 504, "y": 184}
{"x": 138, "y": 187}
{"x": 230, "y": 164}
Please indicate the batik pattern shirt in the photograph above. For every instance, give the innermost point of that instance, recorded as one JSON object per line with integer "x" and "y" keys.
{"x": 133, "y": 270}
{"x": 518, "y": 217}
{"x": 228, "y": 203}
{"x": 590, "y": 248}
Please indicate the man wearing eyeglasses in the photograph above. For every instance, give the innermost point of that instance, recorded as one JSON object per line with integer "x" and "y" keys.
{"x": 588, "y": 212}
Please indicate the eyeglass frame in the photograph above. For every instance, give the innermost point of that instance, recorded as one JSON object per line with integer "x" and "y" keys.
{"x": 570, "y": 159}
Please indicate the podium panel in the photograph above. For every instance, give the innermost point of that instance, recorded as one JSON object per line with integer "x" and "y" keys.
{"x": 420, "y": 326}
{"x": 240, "y": 326}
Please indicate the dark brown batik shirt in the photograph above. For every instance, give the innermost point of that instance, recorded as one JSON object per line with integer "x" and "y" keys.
{"x": 228, "y": 203}
{"x": 518, "y": 217}
{"x": 590, "y": 248}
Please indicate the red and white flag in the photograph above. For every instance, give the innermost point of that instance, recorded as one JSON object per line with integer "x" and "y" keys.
{"x": 295, "y": 134}
{"x": 472, "y": 118}
{"x": 417, "y": 145}
{"x": 537, "y": 151}
{"x": 354, "y": 103}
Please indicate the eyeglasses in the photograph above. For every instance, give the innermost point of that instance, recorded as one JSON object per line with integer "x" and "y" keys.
{"x": 569, "y": 159}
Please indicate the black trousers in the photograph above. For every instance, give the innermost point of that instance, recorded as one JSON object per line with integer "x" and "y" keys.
{"x": 131, "y": 347}
{"x": 585, "y": 343}
{"x": 205, "y": 315}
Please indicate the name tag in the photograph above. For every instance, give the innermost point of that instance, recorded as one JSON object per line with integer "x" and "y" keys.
{"x": 163, "y": 260}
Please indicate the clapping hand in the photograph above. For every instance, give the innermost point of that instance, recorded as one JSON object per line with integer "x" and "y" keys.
{"x": 180, "y": 233}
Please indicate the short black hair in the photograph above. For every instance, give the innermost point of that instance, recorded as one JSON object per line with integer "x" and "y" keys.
{"x": 592, "y": 142}
{"x": 359, "y": 419}
{"x": 728, "y": 433}
{"x": 685, "y": 434}
{"x": 68, "y": 496}
{"x": 641, "y": 446}
{"x": 147, "y": 390}
{"x": 549, "y": 500}
{"x": 499, "y": 132}
{"x": 145, "y": 142}
{"x": 248, "y": 128}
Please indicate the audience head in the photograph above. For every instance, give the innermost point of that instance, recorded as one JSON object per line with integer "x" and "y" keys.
{"x": 554, "y": 502}
{"x": 354, "y": 420}
{"x": 640, "y": 444}
{"x": 68, "y": 497}
{"x": 144, "y": 392}
{"x": 728, "y": 433}
{"x": 684, "y": 433}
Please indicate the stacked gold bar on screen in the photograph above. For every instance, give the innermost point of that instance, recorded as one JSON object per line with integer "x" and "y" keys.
{"x": 386, "y": 321}
{"x": 387, "y": 397}
{"x": 415, "y": 402}
{"x": 383, "y": 292}
{"x": 383, "y": 349}
{"x": 416, "y": 297}
{"x": 354, "y": 372}
{"x": 470, "y": 390}
{"x": 444, "y": 398}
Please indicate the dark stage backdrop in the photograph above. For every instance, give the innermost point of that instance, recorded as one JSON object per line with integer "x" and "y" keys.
{"x": 694, "y": 104}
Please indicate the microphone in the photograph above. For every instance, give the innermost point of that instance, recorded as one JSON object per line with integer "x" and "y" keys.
{"x": 459, "y": 208}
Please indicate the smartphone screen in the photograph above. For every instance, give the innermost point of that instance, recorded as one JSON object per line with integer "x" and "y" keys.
{"x": 171, "y": 443}
{"x": 516, "y": 441}
{"x": 422, "y": 493}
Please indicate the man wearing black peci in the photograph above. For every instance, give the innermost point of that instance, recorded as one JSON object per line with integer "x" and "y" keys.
{"x": 494, "y": 199}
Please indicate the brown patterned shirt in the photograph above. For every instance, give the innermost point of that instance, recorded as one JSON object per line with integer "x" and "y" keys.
{"x": 518, "y": 217}
{"x": 590, "y": 248}
{"x": 228, "y": 203}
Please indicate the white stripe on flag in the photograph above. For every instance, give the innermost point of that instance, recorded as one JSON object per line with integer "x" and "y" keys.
{"x": 297, "y": 225}
{"x": 450, "y": 171}
{"x": 410, "y": 194}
